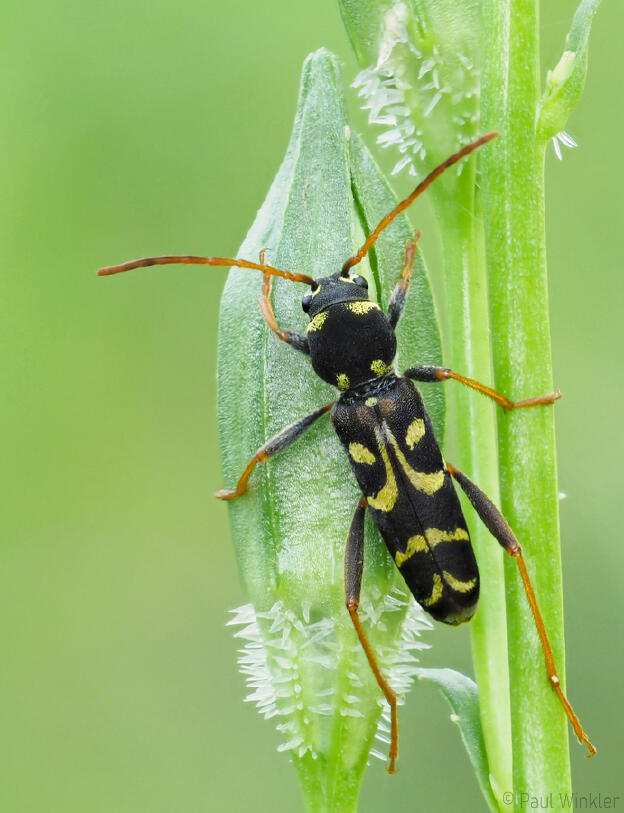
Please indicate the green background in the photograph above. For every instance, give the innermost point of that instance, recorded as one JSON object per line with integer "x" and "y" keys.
{"x": 134, "y": 128}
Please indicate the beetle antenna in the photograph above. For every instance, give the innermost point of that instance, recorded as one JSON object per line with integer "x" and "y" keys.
{"x": 385, "y": 221}
{"x": 295, "y": 276}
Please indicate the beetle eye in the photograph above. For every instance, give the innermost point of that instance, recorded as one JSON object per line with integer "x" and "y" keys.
{"x": 306, "y": 299}
{"x": 361, "y": 281}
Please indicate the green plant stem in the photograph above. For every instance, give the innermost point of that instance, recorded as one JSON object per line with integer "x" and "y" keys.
{"x": 468, "y": 351}
{"x": 513, "y": 205}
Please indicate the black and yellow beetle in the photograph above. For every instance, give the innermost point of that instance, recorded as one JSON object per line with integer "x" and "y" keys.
{"x": 381, "y": 420}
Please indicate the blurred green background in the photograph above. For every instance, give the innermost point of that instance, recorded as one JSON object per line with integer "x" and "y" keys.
{"x": 133, "y": 128}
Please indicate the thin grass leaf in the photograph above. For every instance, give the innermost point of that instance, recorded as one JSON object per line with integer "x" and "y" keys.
{"x": 463, "y": 697}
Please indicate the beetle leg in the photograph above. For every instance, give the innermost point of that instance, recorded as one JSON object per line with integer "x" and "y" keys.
{"x": 399, "y": 295}
{"x": 433, "y": 374}
{"x": 275, "y": 444}
{"x": 497, "y": 525}
{"x": 354, "y": 564}
{"x": 296, "y": 340}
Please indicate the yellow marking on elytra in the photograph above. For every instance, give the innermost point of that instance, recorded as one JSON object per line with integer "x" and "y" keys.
{"x": 343, "y": 381}
{"x": 370, "y": 402}
{"x": 414, "y": 544}
{"x": 435, "y": 535}
{"x": 432, "y": 537}
{"x": 379, "y": 367}
{"x": 362, "y": 306}
{"x": 415, "y": 432}
{"x": 428, "y": 483}
{"x": 457, "y": 585}
{"x": 436, "y": 593}
{"x": 386, "y": 497}
{"x": 317, "y": 322}
{"x": 361, "y": 454}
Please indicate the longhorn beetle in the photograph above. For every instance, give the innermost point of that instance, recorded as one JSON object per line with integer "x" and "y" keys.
{"x": 381, "y": 420}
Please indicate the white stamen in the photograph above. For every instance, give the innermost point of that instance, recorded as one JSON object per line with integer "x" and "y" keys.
{"x": 565, "y": 139}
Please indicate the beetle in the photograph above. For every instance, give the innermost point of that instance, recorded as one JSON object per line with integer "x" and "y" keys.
{"x": 382, "y": 423}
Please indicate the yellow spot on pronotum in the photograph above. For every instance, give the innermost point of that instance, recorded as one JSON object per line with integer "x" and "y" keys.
{"x": 414, "y": 544}
{"x": 457, "y": 585}
{"x": 317, "y": 322}
{"x": 386, "y": 497}
{"x": 379, "y": 367}
{"x": 370, "y": 402}
{"x": 361, "y": 454}
{"x": 343, "y": 380}
{"x": 362, "y": 306}
{"x": 415, "y": 432}
{"x": 436, "y": 593}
